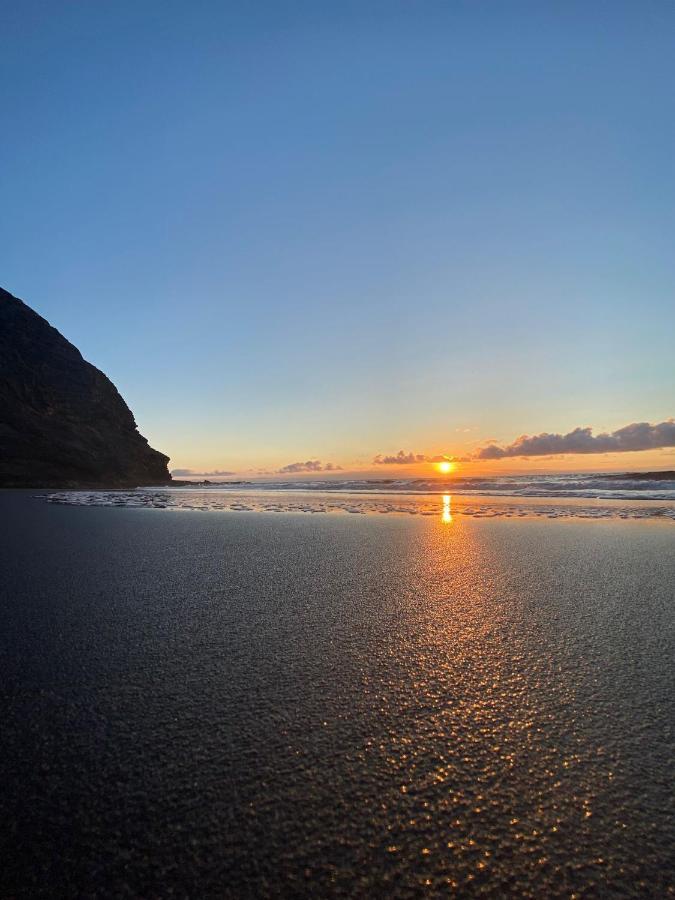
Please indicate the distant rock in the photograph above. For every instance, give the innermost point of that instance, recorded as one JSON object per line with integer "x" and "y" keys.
{"x": 62, "y": 421}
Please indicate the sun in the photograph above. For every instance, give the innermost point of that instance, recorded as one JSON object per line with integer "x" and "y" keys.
{"x": 445, "y": 466}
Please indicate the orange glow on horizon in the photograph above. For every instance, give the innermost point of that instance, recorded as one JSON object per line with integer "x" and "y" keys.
{"x": 266, "y": 468}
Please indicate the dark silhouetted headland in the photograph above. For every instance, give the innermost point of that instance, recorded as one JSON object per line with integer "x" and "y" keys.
{"x": 62, "y": 421}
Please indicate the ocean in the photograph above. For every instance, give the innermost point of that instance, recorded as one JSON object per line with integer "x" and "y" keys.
{"x": 589, "y": 486}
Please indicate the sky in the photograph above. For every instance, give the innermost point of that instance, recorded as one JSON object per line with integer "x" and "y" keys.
{"x": 315, "y": 234}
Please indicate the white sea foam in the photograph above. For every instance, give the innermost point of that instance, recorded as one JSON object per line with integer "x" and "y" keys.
{"x": 588, "y": 486}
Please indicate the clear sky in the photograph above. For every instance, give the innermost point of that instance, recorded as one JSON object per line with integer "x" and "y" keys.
{"x": 299, "y": 231}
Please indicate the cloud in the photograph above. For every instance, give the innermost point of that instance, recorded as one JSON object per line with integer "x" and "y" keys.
{"x": 401, "y": 459}
{"x": 205, "y": 474}
{"x": 630, "y": 438}
{"x": 408, "y": 459}
{"x": 311, "y": 465}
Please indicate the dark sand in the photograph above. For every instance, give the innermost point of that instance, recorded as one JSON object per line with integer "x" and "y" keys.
{"x": 227, "y": 704}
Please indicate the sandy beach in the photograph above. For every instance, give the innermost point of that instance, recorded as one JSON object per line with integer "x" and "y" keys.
{"x": 272, "y": 703}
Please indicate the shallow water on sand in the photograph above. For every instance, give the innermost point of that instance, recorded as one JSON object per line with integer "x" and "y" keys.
{"x": 285, "y": 705}
{"x": 444, "y": 506}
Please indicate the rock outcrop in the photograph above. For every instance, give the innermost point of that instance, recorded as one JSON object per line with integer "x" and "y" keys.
{"x": 62, "y": 421}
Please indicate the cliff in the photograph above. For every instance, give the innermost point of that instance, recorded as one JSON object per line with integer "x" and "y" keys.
{"x": 62, "y": 421}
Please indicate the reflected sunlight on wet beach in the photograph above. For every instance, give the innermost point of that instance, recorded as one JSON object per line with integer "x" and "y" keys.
{"x": 337, "y": 704}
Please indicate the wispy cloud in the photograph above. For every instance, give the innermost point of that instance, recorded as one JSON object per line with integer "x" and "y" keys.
{"x": 184, "y": 472}
{"x": 311, "y": 465}
{"x": 408, "y": 459}
{"x": 636, "y": 436}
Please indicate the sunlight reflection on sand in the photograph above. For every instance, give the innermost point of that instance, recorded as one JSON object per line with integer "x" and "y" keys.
{"x": 443, "y": 507}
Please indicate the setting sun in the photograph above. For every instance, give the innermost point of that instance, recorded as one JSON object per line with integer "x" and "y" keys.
{"x": 445, "y": 466}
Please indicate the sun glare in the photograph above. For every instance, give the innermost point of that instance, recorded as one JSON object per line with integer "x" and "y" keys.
{"x": 446, "y": 514}
{"x": 445, "y": 467}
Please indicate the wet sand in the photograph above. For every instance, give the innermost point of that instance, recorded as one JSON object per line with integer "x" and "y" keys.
{"x": 245, "y": 704}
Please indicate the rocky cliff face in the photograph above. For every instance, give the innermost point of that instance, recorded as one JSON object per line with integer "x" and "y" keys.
{"x": 62, "y": 422}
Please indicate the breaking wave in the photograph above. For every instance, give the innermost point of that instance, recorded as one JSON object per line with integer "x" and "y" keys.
{"x": 594, "y": 486}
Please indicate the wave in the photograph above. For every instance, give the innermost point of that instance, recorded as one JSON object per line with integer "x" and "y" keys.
{"x": 593, "y": 486}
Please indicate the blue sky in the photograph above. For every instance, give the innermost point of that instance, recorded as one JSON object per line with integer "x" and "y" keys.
{"x": 310, "y": 230}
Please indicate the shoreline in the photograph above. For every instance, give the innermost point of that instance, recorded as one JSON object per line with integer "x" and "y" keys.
{"x": 442, "y": 506}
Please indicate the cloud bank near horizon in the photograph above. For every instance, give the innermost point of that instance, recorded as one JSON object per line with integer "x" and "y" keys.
{"x": 311, "y": 465}
{"x": 634, "y": 437}
{"x": 185, "y": 472}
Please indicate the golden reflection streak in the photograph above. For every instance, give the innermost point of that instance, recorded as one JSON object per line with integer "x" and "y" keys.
{"x": 446, "y": 514}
